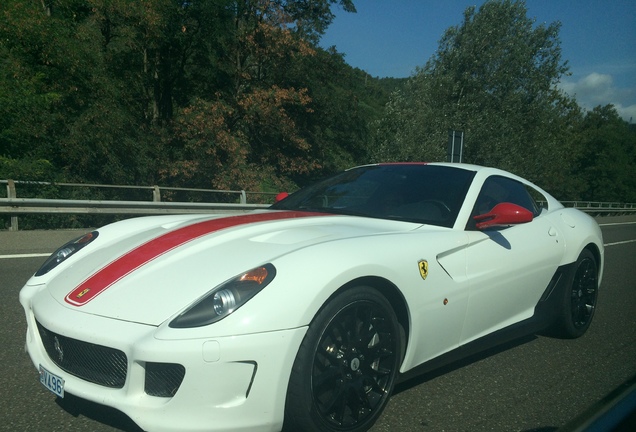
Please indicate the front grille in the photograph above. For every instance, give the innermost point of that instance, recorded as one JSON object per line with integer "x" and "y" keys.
{"x": 163, "y": 379}
{"x": 94, "y": 363}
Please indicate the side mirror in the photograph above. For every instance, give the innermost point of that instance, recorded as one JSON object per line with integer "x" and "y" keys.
{"x": 503, "y": 214}
{"x": 281, "y": 196}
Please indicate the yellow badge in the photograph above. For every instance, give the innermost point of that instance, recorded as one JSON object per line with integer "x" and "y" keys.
{"x": 81, "y": 294}
{"x": 423, "y": 265}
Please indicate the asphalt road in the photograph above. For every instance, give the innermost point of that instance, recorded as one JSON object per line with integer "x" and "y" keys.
{"x": 536, "y": 384}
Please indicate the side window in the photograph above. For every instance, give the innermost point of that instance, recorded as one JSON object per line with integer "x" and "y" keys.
{"x": 539, "y": 199}
{"x": 497, "y": 189}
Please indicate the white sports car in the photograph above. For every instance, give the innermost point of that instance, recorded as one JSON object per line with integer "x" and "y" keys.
{"x": 303, "y": 316}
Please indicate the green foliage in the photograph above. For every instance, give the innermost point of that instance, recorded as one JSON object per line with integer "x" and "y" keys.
{"x": 494, "y": 78}
{"x": 34, "y": 170}
{"x": 344, "y": 102}
{"x": 608, "y": 157}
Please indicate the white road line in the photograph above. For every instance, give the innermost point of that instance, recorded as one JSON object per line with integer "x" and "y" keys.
{"x": 34, "y": 255}
{"x": 619, "y": 243}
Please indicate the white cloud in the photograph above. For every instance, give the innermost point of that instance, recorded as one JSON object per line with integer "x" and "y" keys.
{"x": 628, "y": 113}
{"x": 599, "y": 89}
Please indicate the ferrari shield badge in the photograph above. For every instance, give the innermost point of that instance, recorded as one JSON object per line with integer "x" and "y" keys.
{"x": 423, "y": 265}
{"x": 81, "y": 293}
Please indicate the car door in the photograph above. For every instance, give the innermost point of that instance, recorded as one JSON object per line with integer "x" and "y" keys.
{"x": 508, "y": 267}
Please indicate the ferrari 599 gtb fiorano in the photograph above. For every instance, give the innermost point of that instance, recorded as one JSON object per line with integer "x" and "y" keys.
{"x": 304, "y": 315}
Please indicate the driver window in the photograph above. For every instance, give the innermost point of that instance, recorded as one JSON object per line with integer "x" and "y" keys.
{"x": 497, "y": 189}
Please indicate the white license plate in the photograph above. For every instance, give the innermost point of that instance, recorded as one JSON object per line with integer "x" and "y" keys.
{"x": 52, "y": 382}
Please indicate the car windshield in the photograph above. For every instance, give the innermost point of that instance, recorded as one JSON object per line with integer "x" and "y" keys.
{"x": 419, "y": 193}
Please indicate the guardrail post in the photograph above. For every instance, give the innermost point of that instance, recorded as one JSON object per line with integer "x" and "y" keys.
{"x": 156, "y": 194}
{"x": 12, "y": 194}
{"x": 243, "y": 197}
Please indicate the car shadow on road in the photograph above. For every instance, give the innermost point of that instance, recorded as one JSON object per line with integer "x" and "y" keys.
{"x": 99, "y": 413}
{"x": 543, "y": 429}
{"x": 426, "y": 376}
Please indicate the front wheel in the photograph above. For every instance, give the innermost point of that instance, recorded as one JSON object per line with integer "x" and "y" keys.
{"x": 346, "y": 366}
{"x": 579, "y": 301}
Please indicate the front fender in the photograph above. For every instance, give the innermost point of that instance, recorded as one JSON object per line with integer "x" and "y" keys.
{"x": 308, "y": 277}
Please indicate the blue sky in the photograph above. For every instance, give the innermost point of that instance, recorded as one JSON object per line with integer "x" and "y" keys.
{"x": 390, "y": 38}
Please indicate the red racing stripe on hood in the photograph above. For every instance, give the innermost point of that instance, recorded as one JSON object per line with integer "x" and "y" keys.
{"x": 143, "y": 254}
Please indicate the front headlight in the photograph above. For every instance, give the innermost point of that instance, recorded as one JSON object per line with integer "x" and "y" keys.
{"x": 225, "y": 298}
{"x": 65, "y": 252}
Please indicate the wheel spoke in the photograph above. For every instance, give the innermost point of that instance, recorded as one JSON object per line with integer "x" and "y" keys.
{"x": 327, "y": 377}
{"x": 372, "y": 386}
{"x": 361, "y": 405}
{"x": 338, "y": 333}
{"x": 365, "y": 329}
{"x": 335, "y": 406}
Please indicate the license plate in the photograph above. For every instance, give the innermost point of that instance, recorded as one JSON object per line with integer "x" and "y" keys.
{"x": 52, "y": 382}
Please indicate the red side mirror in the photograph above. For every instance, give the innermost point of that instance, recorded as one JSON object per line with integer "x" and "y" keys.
{"x": 281, "y": 196}
{"x": 503, "y": 214}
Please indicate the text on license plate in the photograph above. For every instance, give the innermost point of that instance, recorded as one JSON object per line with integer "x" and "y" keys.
{"x": 52, "y": 382}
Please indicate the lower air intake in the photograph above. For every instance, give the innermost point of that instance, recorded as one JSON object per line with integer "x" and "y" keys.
{"x": 163, "y": 379}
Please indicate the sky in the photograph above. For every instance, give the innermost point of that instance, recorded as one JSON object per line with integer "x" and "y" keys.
{"x": 390, "y": 38}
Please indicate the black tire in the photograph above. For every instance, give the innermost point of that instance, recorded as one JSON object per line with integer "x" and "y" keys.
{"x": 579, "y": 301}
{"x": 346, "y": 366}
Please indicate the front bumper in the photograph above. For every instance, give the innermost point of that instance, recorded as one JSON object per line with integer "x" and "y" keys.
{"x": 235, "y": 383}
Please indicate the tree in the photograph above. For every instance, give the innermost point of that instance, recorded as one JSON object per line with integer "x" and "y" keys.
{"x": 493, "y": 77}
{"x": 344, "y": 102}
{"x": 28, "y": 96}
{"x": 608, "y": 159}
{"x": 263, "y": 103}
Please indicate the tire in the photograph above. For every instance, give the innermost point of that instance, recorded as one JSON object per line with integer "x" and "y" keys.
{"x": 346, "y": 366}
{"x": 579, "y": 301}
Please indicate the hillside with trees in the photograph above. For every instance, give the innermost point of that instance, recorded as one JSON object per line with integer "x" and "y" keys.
{"x": 239, "y": 95}
{"x": 221, "y": 94}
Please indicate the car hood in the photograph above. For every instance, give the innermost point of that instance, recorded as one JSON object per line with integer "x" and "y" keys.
{"x": 148, "y": 269}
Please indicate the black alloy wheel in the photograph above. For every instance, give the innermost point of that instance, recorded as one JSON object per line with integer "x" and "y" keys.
{"x": 580, "y": 299}
{"x": 584, "y": 292}
{"x": 347, "y": 364}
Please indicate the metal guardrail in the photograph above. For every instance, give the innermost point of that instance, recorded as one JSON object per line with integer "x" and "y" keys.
{"x": 597, "y": 207}
{"x": 156, "y": 190}
{"x": 36, "y": 205}
{"x": 13, "y": 206}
